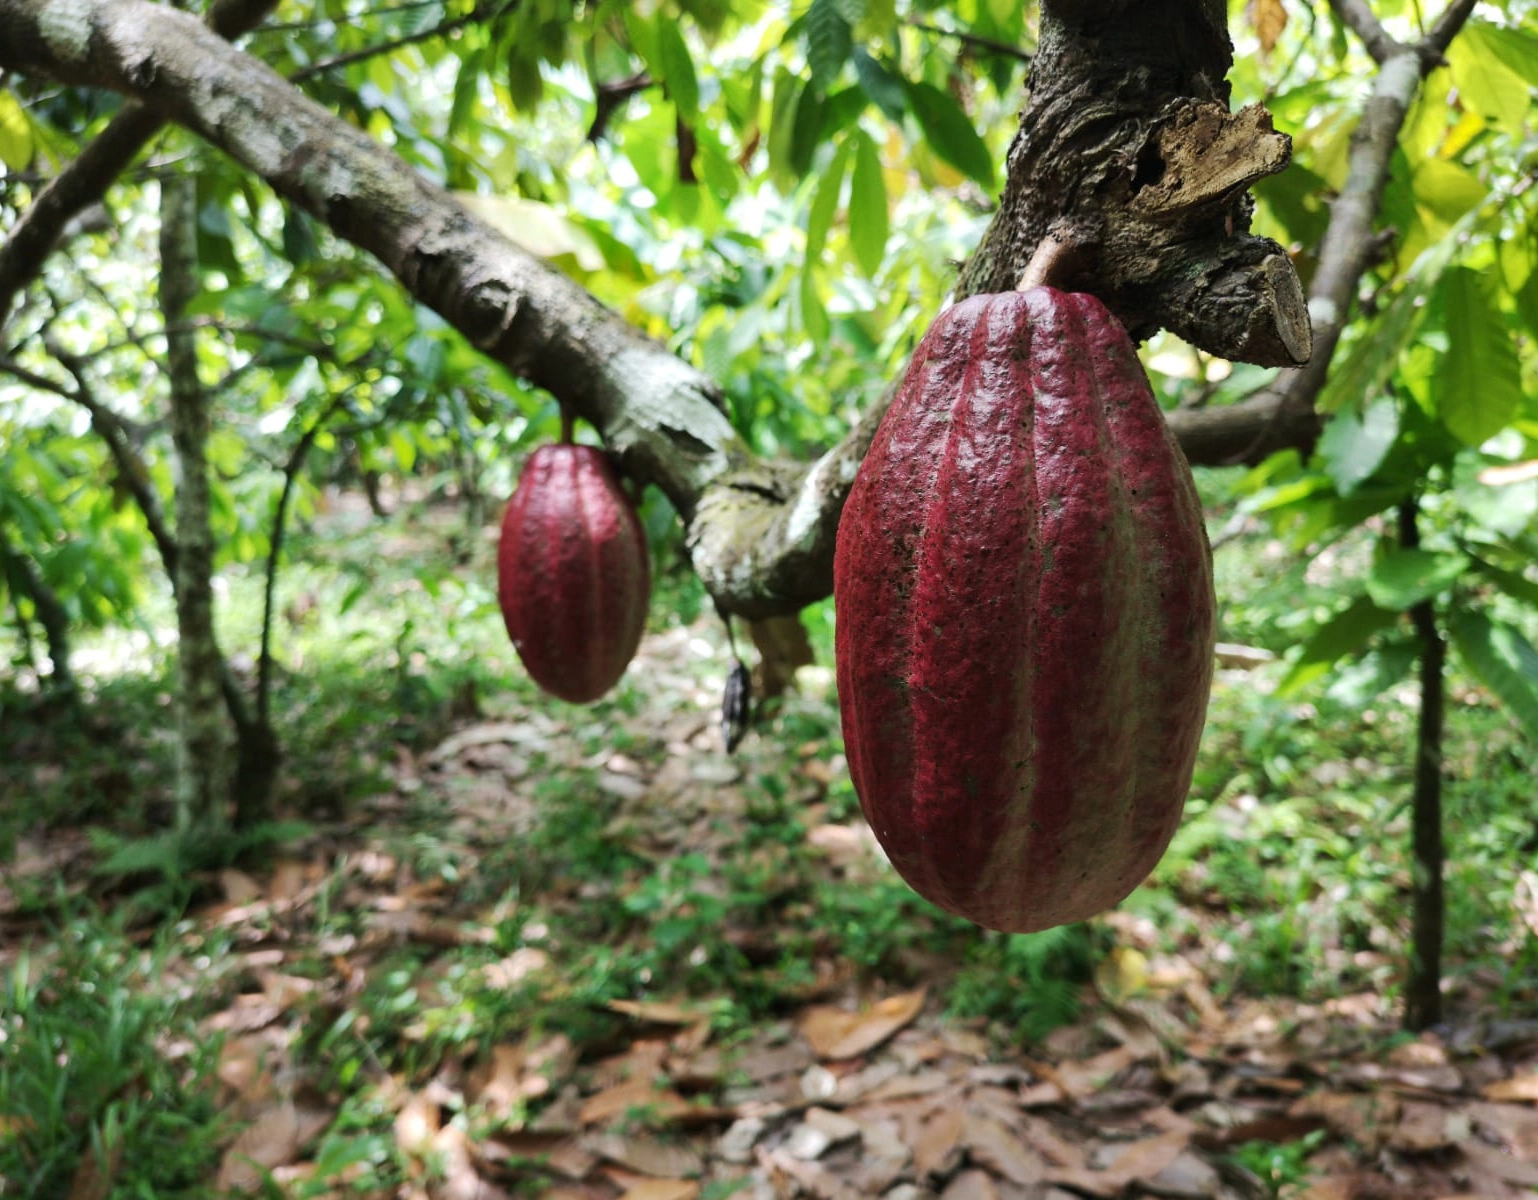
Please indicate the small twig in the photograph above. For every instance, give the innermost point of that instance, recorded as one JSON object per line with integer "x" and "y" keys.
{"x": 371, "y": 14}
{"x": 976, "y": 41}
{"x": 291, "y": 470}
{"x": 409, "y": 39}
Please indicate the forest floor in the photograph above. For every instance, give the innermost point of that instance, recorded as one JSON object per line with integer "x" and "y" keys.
{"x": 586, "y": 954}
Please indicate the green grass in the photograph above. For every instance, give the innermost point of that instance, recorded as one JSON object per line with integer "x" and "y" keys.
{"x": 100, "y": 1060}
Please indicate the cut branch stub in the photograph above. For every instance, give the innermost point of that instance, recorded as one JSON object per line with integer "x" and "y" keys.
{"x": 1128, "y": 141}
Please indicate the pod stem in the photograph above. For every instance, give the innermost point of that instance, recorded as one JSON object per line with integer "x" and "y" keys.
{"x": 1047, "y": 264}
{"x": 568, "y": 425}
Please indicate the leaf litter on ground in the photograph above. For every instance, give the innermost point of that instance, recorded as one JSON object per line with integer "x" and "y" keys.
{"x": 844, "y": 1082}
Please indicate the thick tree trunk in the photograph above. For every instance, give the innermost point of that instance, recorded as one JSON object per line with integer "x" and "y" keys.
{"x": 201, "y": 755}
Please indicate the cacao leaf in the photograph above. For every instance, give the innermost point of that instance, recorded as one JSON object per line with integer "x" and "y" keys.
{"x": 1359, "y": 377}
{"x": 678, "y": 70}
{"x": 884, "y": 88}
{"x": 1353, "y": 445}
{"x": 825, "y": 205}
{"x": 829, "y": 42}
{"x": 1485, "y": 82}
{"x": 949, "y": 131}
{"x": 1515, "y": 49}
{"x": 867, "y": 205}
{"x": 525, "y": 84}
{"x": 1518, "y": 587}
{"x": 807, "y": 130}
{"x": 1503, "y": 661}
{"x": 1478, "y": 382}
{"x": 1403, "y": 578}
{"x": 15, "y": 134}
{"x": 1344, "y": 633}
{"x": 814, "y": 317}
{"x": 782, "y": 125}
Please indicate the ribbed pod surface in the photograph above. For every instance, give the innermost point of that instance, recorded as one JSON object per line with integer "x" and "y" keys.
{"x": 1025, "y": 616}
{"x": 573, "y": 578}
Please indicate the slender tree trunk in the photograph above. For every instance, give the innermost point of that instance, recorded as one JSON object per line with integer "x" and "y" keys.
{"x": 201, "y": 757}
{"x": 1423, "y": 987}
{"x": 27, "y": 579}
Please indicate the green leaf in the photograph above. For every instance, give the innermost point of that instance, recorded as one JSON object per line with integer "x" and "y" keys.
{"x": 1404, "y": 578}
{"x": 525, "y": 83}
{"x": 949, "y": 131}
{"x": 1486, "y": 83}
{"x": 807, "y": 132}
{"x": 1503, "y": 661}
{"x": 1517, "y": 50}
{"x": 782, "y": 126}
{"x": 678, "y": 70}
{"x": 1478, "y": 383}
{"x": 825, "y": 205}
{"x": 15, "y": 134}
{"x": 867, "y": 205}
{"x": 1518, "y": 587}
{"x": 884, "y": 88}
{"x": 1354, "y": 445}
{"x": 1344, "y": 633}
{"x": 1359, "y": 377}
{"x": 299, "y": 245}
{"x": 1446, "y": 190}
{"x": 813, "y": 315}
{"x": 829, "y": 42}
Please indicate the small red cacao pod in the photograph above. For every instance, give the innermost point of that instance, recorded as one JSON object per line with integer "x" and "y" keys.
{"x": 573, "y": 577}
{"x": 1025, "y": 616}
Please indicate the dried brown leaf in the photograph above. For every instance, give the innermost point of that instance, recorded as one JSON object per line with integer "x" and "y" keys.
{"x": 647, "y": 1155}
{"x": 1269, "y": 17}
{"x": 937, "y": 1148}
{"x": 1521, "y": 1088}
{"x": 970, "y": 1185}
{"x": 995, "y": 1146}
{"x": 661, "y": 1189}
{"x": 272, "y": 1140}
{"x": 616, "y": 1101}
{"x": 837, "y": 1034}
{"x": 657, "y": 1012}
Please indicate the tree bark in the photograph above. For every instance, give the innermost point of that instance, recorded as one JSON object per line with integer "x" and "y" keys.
{"x": 85, "y": 180}
{"x": 1423, "y": 987}
{"x": 201, "y": 754}
{"x": 1127, "y": 150}
{"x": 26, "y": 578}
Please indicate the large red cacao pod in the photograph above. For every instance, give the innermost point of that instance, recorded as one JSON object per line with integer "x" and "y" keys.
{"x": 1025, "y": 616}
{"x": 573, "y": 577}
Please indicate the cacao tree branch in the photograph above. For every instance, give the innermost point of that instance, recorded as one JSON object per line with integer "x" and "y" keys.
{"x": 86, "y": 179}
{"x": 134, "y": 476}
{"x": 291, "y": 468}
{"x": 1358, "y": 16}
{"x": 26, "y": 577}
{"x": 761, "y": 534}
{"x": 1127, "y": 149}
{"x": 1344, "y": 255}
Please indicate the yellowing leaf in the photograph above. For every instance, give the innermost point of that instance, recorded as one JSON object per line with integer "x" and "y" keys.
{"x": 1269, "y": 17}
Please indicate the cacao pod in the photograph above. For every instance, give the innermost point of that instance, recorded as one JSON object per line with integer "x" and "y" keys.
{"x": 573, "y": 577}
{"x": 1025, "y": 616}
